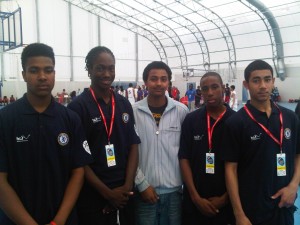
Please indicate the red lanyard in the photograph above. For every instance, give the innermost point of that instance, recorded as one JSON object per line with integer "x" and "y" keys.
{"x": 102, "y": 114}
{"x": 211, "y": 130}
{"x": 279, "y": 142}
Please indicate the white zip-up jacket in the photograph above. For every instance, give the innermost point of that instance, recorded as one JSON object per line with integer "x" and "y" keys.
{"x": 158, "y": 151}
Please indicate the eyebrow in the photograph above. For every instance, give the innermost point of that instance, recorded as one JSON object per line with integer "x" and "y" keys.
{"x": 259, "y": 77}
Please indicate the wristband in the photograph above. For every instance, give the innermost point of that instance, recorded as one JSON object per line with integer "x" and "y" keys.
{"x": 53, "y": 223}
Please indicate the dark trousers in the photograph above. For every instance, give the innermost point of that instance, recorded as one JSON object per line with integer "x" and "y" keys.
{"x": 224, "y": 217}
{"x": 281, "y": 216}
{"x": 96, "y": 216}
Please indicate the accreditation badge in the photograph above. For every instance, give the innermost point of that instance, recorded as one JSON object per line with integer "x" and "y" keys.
{"x": 210, "y": 163}
{"x": 110, "y": 155}
{"x": 281, "y": 164}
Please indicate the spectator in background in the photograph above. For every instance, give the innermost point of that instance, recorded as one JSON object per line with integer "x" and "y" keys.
{"x": 122, "y": 91}
{"x": 12, "y": 99}
{"x": 227, "y": 94}
{"x": 175, "y": 93}
{"x": 130, "y": 94}
{"x": 73, "y": 95}
{"x": 190, "y": 93}
{"x": 233, "y": 98}
{"x": 145, "y": 91}
{"x": 198, "y": 97}
{"x": 297, "y": 110}
{"x": 5, "y": 100}
{"x": 140, "y": 94}
{"x": 117, "y": 89}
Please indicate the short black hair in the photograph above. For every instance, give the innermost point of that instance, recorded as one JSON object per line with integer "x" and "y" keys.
{"x": 256, "y": 65}
{"x": 232, "y": 87}
{"x": 93, "y": 53}
{"x": 211, "y": 73}
{"x": 156, "y": 65}
{"x": 34, "y": 50}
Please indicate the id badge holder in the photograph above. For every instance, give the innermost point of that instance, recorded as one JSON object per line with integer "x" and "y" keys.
{"x": 110, "y": 155}
{"x": 210, "y": 163}
{"x": 281, "y": 164}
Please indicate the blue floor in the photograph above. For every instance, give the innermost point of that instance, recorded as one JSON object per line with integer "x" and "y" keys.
{"x": 297, "y": 213}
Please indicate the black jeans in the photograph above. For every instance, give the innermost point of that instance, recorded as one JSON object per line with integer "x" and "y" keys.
{"x": 96, "y": 216}
{"x": 281, "y": 216}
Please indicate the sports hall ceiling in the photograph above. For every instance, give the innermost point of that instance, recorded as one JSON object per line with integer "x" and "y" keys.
{"x": 207, "y": 28}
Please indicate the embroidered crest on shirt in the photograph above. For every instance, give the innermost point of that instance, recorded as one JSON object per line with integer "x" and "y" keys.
{"x": 63, "y": 139}
{"x": 125, "y": 117}
{"x": 198, "y": 137}
{"x": 255, "y": 137}
{"x": 287, "y": 133}
{"x": 22, "y": 138}
{"x": 86, "y": 147}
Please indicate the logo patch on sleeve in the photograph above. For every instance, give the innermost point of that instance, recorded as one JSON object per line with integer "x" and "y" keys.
{"x": 287, "y": 133}
{"x": 63, "y": 139}
{"x": 125, "y": 117}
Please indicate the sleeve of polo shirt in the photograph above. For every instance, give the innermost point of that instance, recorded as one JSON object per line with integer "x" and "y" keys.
{"x": 298, "y": 137}
{"x": 135, "y": 139}
{"x": 3, "y": 157}
{"x": 185, "y": 139}
{"x": 231, "y": 141}
{"x": 82, "y": 154}
{"x": 3, "y": 151}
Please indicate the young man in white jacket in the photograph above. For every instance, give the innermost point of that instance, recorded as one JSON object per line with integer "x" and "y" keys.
{"x": 158, "y": 121}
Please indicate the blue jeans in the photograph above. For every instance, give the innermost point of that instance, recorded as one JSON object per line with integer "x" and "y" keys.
{"x": 167, "y": 210}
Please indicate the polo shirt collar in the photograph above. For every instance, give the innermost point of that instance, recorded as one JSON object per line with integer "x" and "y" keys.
{"x": 28, "y": 109}
{"x": 257, "y": 113}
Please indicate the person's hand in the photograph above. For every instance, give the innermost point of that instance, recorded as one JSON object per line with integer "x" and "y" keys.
{"x": 242, "y": 220}
{"x": 287, "y": 196}
{"x": 205, "y": 207}
{"x": 218, "y": 201}
{"x": 149, "y": 195}
{"x": 119, "y": 197}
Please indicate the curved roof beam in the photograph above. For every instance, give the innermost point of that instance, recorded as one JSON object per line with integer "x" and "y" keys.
{"x": 137, "y": 14}
{"x": 187, "y": 24}
{"x": 214, "y": 18}
{"x": 120, "y": 21}
{"x": 274, "y": 33}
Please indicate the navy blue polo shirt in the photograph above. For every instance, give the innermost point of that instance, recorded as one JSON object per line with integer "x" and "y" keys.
{"x": 38, "y": 151}
{"x": 122, "y": 137}
{"x": 194, "y": 146}
{"x": 255, "y": 152}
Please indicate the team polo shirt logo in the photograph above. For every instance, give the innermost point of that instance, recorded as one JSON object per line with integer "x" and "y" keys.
{"x": 96, "y": 119}
{"x": 287, "y": 133}
{"x": 125, "y": 117}
{"x": 22, "y": 138}
{"x": 63, "y": 139}
{"x": 86, "y": 147}
{"x": 256, "y": 137}
{"x": 198, "y": 137}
